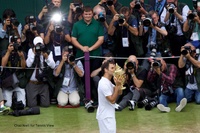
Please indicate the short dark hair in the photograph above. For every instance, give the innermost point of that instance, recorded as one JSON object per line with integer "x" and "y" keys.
{"x": 8, "y": 13}
{"x": 106, "y": 65}
{"x": 124, "y": 10}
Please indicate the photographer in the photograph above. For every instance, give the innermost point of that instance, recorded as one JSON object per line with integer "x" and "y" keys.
{"x": 47, "y": 8}
{"x": 8, "y": 28}
{"x": 156, "y": 32}
{"x": 75, "y": 12}
{"x": 189, "y": 60}
{"x": 168, "y": 83}
{"x": 41, "y": 60}
{"x": 192, "y": 25}
{"x": 112, "y": 7}
{"x": 57, "y": 36}
{"x": 135, "y": 87}
{"x": 138, "y": 7}
{"x": 175, "y": 15}
{"x": 123, "y": 26}
{"x": 13, "y": 78}
{"x": 69, "y": 70}
{"x": 100, "y": 15}
{"x": 30, "y": 31}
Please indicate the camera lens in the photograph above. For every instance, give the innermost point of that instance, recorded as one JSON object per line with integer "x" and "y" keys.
{"x": 191, "y": 16}
{"x": 147, "y": 22}
{"x": 109, "y": 2}
{"x": 121, "y": 19}
{"x": 71, "y": 58}
{"x": 184, "y": 52}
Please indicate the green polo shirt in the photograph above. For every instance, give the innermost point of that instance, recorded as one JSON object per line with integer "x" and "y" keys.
{"x": 87, "y": 35}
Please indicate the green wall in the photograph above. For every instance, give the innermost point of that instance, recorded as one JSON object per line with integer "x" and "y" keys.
{"x": 32, "y": 7}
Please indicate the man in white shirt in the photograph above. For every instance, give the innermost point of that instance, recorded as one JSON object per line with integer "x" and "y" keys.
{"x": 39, "y": 59}
{"x": 107, "y": 95}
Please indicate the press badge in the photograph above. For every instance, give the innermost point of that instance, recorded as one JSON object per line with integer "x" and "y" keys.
{"x": 194, "y": 36}
{"x": 125, "y": 42}
{"x": 66, "y": 81}
{"x": 57, "y": 50}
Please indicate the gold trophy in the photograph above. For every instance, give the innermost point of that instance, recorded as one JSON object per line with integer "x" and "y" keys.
{"x": 119, "y": 72}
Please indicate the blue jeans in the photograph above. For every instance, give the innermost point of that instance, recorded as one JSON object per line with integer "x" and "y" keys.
{"x": 177, "y": 96}
{"x": 192, "y": 94}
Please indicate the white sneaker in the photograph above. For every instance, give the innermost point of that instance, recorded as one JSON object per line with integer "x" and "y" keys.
{"x": 162, "y": 108}
{"x": 182, "y": 104}
{"x": 131, "y": 104}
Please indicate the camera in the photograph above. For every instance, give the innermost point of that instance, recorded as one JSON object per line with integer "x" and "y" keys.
{"x": 14, "y": 39}
{"x": 171, "y": 8}
{"x": 78, "y": 8}
{"x": 59, "y": 21}
{"x": 167, "y": 53}
{"x": 109, "y": 2}
{"x": 70, "y": 56}
{"x": 192, "y": 15}
{"x": 147, "y": 21}
{"x": 157, "y": 63}
{"x": 153, "y": 49}
{"x": 137, "y": 4}
{"x": 14, "y": 21}
{"x": 148, "y": 103}
{"x": 39, "y": 47}
{"x": 143, "y": 103}
{"x": 89, "y": 105}
{"x": 51, "y": 7}
{"x": 58, "y": 28}
{"x": 151, "y": 104}
{"x": 121, "y": 19}
{"x": 17, "y": 105}
{"x": 131, "y": 65}
{"x": 17, "y": 47}
{"x": 30, "y": 21}
{"x": 194, "y": 12}
{"x": 186, "y": 49}
{"x": 101, "y": 17}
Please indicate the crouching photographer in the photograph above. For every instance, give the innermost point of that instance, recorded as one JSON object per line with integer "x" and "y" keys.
{"x": 13, "y": 74}
{"x": 135, "y": 84}
{"x": 168, "y": 84}
{"x": 189, "y": 59}
{"x": 69, "y": 86}
{"x": 40, "y": 60}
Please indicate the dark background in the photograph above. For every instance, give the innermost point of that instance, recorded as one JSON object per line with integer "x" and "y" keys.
{"x": 32, "y": 7}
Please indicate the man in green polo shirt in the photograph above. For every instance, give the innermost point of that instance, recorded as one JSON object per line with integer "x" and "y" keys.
{"x": 87, "y": 34}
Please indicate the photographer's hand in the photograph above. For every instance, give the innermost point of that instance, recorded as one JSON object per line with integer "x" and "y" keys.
{"x": 45, "y": 55}
{"x": 115, "y": 17}
{"x": 157, "y": 69}
{"x": 22, "y": 58}
{"x": 112, "y": 9}
{"x": 142, "y": 10}
{"x": 10, "y": 48}
{"x": 132, "y": 4}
